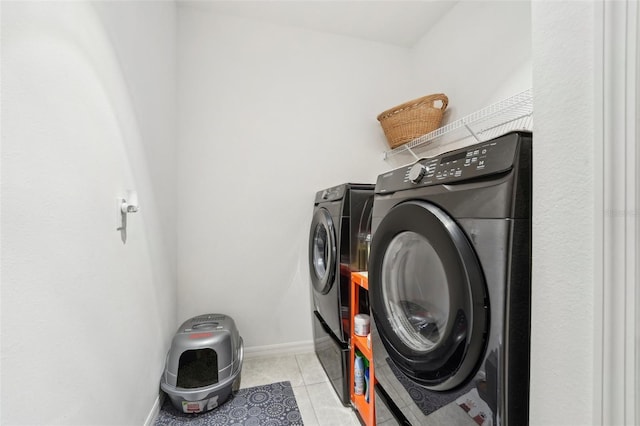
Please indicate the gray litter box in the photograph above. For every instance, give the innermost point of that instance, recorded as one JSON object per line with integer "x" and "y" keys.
{"x": 203, "y": 364}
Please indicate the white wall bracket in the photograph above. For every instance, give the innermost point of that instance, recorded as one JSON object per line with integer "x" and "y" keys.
{"x": 125, "y": 206}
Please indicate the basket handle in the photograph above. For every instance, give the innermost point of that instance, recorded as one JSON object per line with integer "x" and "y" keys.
{"x": 425, "y": 100}
{"x": 442, "y": 98}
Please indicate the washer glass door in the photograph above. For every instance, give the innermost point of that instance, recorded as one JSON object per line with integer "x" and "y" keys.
{"x": 428, "y": 295}
{"x": 322, "y": 251}
{"x": 419, "y": 313}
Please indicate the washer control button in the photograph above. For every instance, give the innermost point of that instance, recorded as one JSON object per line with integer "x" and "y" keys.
{"x": 417, "y": 172}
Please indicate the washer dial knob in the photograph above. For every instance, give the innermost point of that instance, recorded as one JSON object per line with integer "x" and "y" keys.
{"x": 417, "y": 172}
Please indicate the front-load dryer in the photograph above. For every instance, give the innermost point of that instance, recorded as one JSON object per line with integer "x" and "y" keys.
{"x": 450, "y": 284}
{"x": 341, "y": 217}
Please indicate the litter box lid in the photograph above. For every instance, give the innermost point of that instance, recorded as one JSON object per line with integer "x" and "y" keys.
{"x": 207, "y": 322}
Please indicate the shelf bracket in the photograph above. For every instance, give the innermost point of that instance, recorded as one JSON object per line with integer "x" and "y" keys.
{"x": 472, "y": 132}
{"x": 386, "y": 154}
{"x": 415, "y": 157}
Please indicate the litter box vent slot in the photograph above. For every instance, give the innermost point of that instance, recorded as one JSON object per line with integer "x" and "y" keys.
{"x": 197, "y": 368}
{"x": 209, "y": 317}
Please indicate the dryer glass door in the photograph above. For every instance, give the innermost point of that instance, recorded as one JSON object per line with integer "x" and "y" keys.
{"x": 428, "y": 295}
{"x": 322, "y": 251}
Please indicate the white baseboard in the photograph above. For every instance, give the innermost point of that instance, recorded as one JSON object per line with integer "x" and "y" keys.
{"x": 155, "y": 411}
{"x": 279, "y": 349}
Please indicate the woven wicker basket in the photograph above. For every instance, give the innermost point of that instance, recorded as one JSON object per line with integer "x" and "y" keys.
{"x": 412, "y": 119}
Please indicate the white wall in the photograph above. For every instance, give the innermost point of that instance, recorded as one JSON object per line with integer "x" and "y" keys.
{"x": 143, "y": 37}
{"x": 477, "y": 54}
{"x": 87, "y": 112}
{"x": 565, "y": 182}
{"x": 268, "y": 115}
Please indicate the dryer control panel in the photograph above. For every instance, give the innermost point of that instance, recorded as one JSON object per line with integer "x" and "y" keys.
{"x": 485, "y": 158}
{"x": 338, "y": 192}
{"x": 331, "y": 194}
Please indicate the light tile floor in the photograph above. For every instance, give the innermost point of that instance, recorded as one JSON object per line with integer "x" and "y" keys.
{"x": 319, "y": 405}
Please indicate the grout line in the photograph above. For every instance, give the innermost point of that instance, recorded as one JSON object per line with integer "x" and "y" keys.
{"x": 313, "y": 405}
{"x": 313, "y": 408}
{"x": 304, "y": 381}
{"x": 306, "y": 391}
{"x": 299, "y": 367}
{"x": 311, "y": 370}
{"x": 304, "y": 387}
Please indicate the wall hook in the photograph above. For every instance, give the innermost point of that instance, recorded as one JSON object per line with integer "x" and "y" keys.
{"x": 126, "y": 206}
{"x": 130, "y": 204}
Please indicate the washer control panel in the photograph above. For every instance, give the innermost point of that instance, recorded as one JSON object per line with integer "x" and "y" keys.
{"x": 485, "y": 158}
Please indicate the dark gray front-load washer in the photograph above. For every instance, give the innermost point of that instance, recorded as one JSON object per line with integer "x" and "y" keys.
{"x": 341, "y": 215}
{"x": 450, "y": 285}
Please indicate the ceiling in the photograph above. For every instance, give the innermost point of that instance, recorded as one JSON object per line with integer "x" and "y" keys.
{"x": 400, "y": 23}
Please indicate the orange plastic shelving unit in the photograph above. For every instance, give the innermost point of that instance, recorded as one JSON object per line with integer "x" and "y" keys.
{"x": 366, "y": 410}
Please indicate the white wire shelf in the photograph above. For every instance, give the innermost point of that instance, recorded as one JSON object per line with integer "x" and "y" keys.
{"x": 514, "y": 113}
